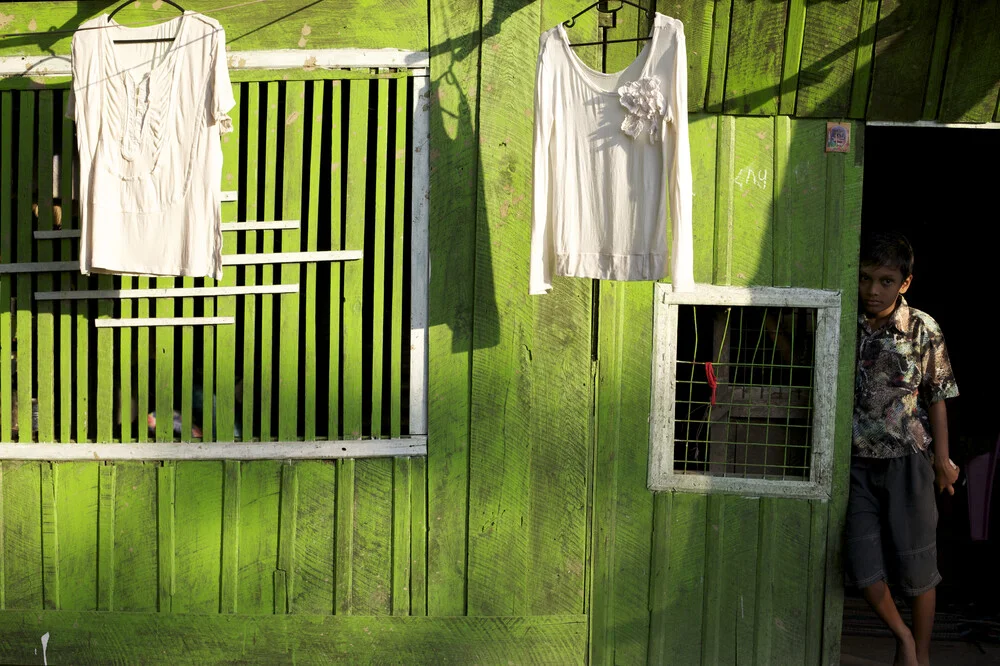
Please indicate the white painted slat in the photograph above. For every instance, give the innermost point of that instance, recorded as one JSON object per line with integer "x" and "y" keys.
{"x": 187, "y": 292}
{"x": 419, "y": 255}
{"x": 57, "y": 234}
{"x": 229, "y": 195}
{"x": 321, "y": 450}
{"x": 164, "y": 321}
{"x": 40, "y": 267}
{"x": 290, "y": 257}
{"x": 260, "y": 226}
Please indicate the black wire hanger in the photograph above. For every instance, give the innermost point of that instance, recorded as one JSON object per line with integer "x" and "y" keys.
{"x": 142, "y": 41}
{"x": 602, "y": 6}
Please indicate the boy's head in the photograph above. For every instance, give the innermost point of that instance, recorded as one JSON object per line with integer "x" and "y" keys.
{"x": 885, "y": 273}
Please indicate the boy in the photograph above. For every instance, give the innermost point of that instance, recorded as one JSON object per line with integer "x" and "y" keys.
{"x": 903, "y": 378}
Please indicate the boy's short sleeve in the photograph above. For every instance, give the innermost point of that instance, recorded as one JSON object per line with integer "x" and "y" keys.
{"x": 937, "y": 379}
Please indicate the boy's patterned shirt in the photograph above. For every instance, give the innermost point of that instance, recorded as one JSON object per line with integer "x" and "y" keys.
{"x": 902, "y": 369}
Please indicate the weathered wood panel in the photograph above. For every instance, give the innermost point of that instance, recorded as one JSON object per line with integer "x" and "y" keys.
{"x": 829, "y": 46}
{"x": 972, "y": 80}
{"x": 903, "y": 53}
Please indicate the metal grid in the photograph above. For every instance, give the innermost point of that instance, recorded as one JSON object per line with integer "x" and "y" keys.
{"x": 759, "y": 424}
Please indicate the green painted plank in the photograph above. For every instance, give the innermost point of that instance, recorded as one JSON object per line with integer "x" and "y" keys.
{"x": 344, "y": 558}
{"x": 66, "y": 254}
{"x": 453, "y": 223}
{"x": 784, "y": 173}
{"x": 351, "y": 360}
{"x": 756, "y": 46}
{"x": 401, "y": 537}
{"x": 107, "y": 475}
{"x": 142, "y": 359}
{"x": 784, "y": 595}
{"x": 198, "y": 536}
{"x": 903, "y": 52}
{"x": 864, "y": 58}
{"x": 125, "y": 395}
{"x": 766, "y": 568}
{"x": 164, "y": 336}
{"x": 93, "y": 638}
{"x": 3, "y": 550}
{"x": 267, "y": 271}
{"x": 725, "y": 174}
{"x": 250, "y": 272}
{"x": 939, "y": 59}
{"x": 6, "y": 234}
{"x": 229, "y": 583}
{"x": 703, "y": 132}
{"x": 712, "y": 605}
{"x": 719, "y": 54}
{"x": 45, "y": 312}
{"x": 678, "y": 578}
{"x": 500, "y": 449}
{"x": 225, "y": 358}
{"x": 316, "y": 169}
{"x": 828, "y": 59}
{"x": 972, "y": 80}
{"x": 631, "y": 23}
{"x": 83, "y": 490}
{"x": 398, "y": 194}
{"x": 697, "y": 20}
{"x": 815, "y": 594}
{"x": 792, "y": 63}
{"x": 136, "y": 536}
{"x": 832, "y": 261}
{"x": 187, "y": 368}
{"x": 22, "y": 536}
{"x": 166, "y": 527}
{"x": 800, "y": 201}
{"x": 315, "y": 523}
{"x": 378, "y": 250}
{"x": 50, "y": 540}
{"x": 753, "y": 202}
{"x": 284, "y": 580}
{"x": 106, "y": 367}
{"x": 25, "y": 242}
{"x": 371, "y": 560}
{"x": 289, "y": 366}
{"x": 418, "y": 536}
{"x": 82, "y": 362}
{"x": 260, "y": 491}
{"x": 336, "y": 268}
{"x": 346, "y": 24}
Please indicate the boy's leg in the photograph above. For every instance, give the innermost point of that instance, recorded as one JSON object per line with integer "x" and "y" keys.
{"x": 923, "y": 623}
{"x": 880, "y": 599}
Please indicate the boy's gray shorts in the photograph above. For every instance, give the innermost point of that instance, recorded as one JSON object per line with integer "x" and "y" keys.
{"x": 891, "y": 531}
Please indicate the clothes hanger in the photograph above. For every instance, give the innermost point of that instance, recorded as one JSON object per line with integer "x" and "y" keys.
{"x": 602, "y": 7}
{"x": 142, "y": 41}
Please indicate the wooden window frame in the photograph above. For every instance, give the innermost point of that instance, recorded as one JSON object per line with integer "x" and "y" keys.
{"x": 663, "y": 390}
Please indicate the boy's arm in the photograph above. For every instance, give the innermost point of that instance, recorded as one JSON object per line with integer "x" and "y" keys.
{"x": 945, "y": 471}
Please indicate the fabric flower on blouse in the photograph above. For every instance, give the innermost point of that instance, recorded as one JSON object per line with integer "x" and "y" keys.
{"x": 645, "y": 105}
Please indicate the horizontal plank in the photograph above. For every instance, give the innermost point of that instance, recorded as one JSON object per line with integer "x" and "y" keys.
{"x": 316, "y": 450}
{"x": 291, "y": 257}
{"x": 754, "y": 296}
{"x": 57, "y": 234}
{"x": 322, "y": 59}
{"x": 103, "y": 638}
{"x": 39, "y": 267}
{"x": 60, "y": 234}
{"x": 163, "y": 321}
{"x": 931, "y": 123}
{"x": 187, "y": 292}
{"x": 702, "y": 483}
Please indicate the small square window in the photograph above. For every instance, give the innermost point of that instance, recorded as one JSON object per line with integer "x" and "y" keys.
{"x": 744, "y": 390}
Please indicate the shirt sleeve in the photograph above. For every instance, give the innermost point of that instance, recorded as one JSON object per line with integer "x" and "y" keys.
{"x": 222, "y": 89}
{"x": 678, "y": 159}
{"x": 937, "y": 381}
{"x": 542, "y": 251}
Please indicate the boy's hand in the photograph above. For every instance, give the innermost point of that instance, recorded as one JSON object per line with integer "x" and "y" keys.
{"x": 945, "y": 476}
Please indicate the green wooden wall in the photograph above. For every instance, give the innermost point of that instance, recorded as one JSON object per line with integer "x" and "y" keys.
{"x": 527, "y": 534}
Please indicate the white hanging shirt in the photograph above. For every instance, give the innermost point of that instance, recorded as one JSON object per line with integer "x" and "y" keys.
{"x": 606, "y": 147}
{"x": 149, "y": 120}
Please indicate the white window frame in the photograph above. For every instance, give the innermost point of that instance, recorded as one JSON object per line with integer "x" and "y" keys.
{"x": 663, "y": 394}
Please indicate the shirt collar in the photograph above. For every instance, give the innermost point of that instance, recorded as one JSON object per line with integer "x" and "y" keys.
{"x": 899, "y": 319}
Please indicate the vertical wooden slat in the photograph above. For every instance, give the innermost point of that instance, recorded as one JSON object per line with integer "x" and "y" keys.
{"x": 250, "y": 272}
{"x": 398, "y": 233}
{"x": 800, "y": 201}
{"x": 401, "y": 539}
{"x": 260, "y": 492}
{"x": 315, "y": 525}
{"x": 6, "y": 234}
{"x": 813, "y": 613}
{"x": 142, "y": 359}
{"x": 766, "y": 569}
{"x": 284, "y": 588}
{"x": 50, "y": 540}
{"x": 165, "y": 514}
{"x": 786, "y": 551}
{"x": 378, "y": 257}
{"x": 354, "y": 239}
{"x": 939, "y": 58}
{"x": 720, "y": 51}
{"x": 795, "y": 34}
{"x": 972, "y": 79}
{"x": 311, "y": 220}
{"x": 25, "y": 241}
{"x": 344, "y": 592}
{"x": 336, "y": 267}
{"x": 371, "y": 581}
{"x": 66, "y": 281}
{"x": 164, "y": 336}
{"x": 289, "y": 366}
{"x": 865, "y": 49}
{"x": 420, "y": 104}
{"x": 697, "y": 20}
{"x": 137, "y": 533}
{"x": 84, "y": 566}
{"x": 756, "y": 46}
{"x": 22, "y": 539}
{"x": 106, "y": 367}
{"x": 3, "y": 549}
{"x": 229, "y": 584}
{"x": 105, "y": 537}
{"x": 712, "y": 608}
{"x": 724, "y": 191}
{"x": 418, "y": 536}
{"x": 782, "y": 236}
{"x": 753, "y": 205}
{"x": 224, "y": 357}
{"x": 903, "y": 55}
{"x": 828, "y": 59}
{"x": 187, "y": 370}
{"x": 197, "y": 537}
{"x": 267, "y": 270}
{"x": 45, "y": 315}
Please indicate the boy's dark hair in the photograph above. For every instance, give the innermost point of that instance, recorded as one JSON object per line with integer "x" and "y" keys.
{"x": 888, "y": 248}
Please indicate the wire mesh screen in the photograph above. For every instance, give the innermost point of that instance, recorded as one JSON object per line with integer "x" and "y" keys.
{"x": 744, "y": 391}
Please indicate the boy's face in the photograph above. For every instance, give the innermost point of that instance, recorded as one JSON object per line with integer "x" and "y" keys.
{"x": 878, "y": 289}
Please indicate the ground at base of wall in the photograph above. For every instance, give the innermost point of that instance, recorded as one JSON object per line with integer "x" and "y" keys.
{"x": 872, "y": 650}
